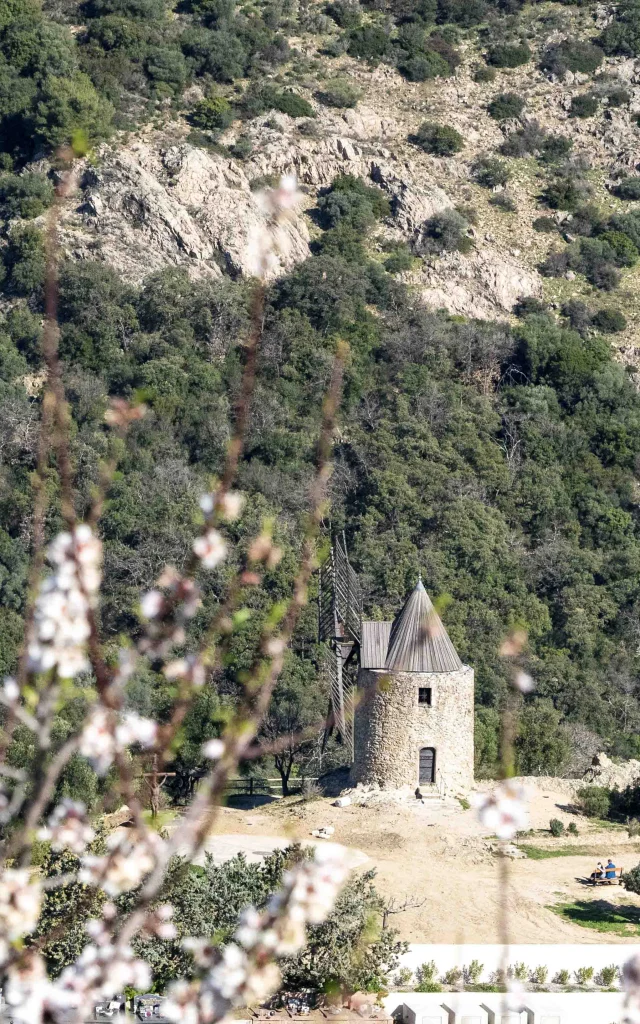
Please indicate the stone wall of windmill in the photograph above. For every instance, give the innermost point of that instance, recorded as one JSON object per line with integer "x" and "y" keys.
{"x": 414, "y": 719}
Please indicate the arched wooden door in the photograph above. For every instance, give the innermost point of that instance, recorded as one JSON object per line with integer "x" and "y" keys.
{"x": 427, "y": 765}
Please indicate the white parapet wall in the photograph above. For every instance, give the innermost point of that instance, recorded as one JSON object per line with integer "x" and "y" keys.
{"x": 553, "y": 957}
{"x": 489, "y": 1008}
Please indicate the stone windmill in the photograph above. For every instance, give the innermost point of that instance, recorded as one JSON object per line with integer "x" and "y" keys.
{"x": 401, "y": 699}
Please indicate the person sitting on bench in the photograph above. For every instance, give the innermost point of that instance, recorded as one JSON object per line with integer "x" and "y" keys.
{"x": 610, "y": 870}
{"x": 598, "y": 873}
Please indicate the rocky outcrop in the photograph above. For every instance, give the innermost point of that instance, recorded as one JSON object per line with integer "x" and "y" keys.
{"x": 482, "y": 285}
{"x": 160, "y": 201}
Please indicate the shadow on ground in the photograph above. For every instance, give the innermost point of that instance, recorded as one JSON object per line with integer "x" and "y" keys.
{"x": 601, "y": 915}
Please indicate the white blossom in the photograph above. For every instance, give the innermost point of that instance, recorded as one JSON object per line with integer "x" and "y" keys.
{"x": 134, "y": 728}
{"x": 100, "y": 972}
{"x": 124, "y": 866}
{"x": 11, "y": 690}
{"x": 104, "y": 734}
{"x": 151, "y": 604}
{"x": 68, "y": 827}
{"x": 27, "y": 990}
{"x": 210, "y": 548}
{"x": 524, "y": 682}
{"x": 213, "y": 749}
{"x": 20, "y": 898}
{"x": 503, "y": 810}
{"x": 63, "y": 604}
{"x": 190, "y": 669}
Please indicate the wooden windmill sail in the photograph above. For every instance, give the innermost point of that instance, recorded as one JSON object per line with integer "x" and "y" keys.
{"x": 340, "y": 632}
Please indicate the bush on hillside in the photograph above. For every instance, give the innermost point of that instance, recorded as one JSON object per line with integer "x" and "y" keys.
{"x": 504, "y": 202}
{"x": 618, "y": 98}
{"x": 609, "y": 321}
{"x": 628, "y": 188}
{"x": 339, "y": 92}
{"x": 24, "y": 195}
{"x": 438, "y": 139}
{"x": 350, "y": 202}
{"x": 421, "y": 67}
{"x": 584, "y": 105}
{"x": 594, "y": 802}
{"x": 556, "y": 828}
{"x": 566, "y": 192}
{"x": 489, "y": 171}
{"x": 508, "y": 55}
{"x": 368, "y": 42}
{"x": 572, "y": 55}
{"x": 483, "y": 74}
{"x": 505, "y": 105}
{"x": 345, "y": 13}
{"x": 212, "y": 114}
{"x": 446, "y": 232}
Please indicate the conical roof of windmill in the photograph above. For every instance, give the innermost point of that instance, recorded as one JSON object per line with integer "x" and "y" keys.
{"x": 418, "y": 641}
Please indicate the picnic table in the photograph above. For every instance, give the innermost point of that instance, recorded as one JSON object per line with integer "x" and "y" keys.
{"x": 616, "y": 877}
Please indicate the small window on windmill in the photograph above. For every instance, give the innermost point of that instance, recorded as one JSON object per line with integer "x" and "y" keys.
{"x": 424, "y": 695}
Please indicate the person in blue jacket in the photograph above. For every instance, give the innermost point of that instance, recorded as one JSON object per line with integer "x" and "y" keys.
{"x": 610, "y": 869}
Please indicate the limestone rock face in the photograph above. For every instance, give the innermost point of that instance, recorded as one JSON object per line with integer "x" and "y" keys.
{"x": 482, "y": 285}
{"x": 146, "y": 208}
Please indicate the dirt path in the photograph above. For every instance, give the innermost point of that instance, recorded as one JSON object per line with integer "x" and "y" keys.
{"x": 439, "y": 853}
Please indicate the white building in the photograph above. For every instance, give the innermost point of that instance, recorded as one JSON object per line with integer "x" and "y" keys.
{"x": 489, "y": 1008}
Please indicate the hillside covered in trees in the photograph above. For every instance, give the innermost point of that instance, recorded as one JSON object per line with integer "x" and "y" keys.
{"x": 499, "y": 457}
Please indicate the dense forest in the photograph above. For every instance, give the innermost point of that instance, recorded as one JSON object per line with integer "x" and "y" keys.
{"x": 498, "y": 459}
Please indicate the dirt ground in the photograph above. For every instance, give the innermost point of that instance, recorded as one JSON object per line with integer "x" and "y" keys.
{"x": 440, "y": 853}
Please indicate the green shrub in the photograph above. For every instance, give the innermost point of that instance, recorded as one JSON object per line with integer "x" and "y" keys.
{"x": 421, "y": 67}
{"x": 555, "y": 148}
{"x": 607, "y": 976}
{"x": 472, "y": 972}
{"x": 441, "y": 43}
{"x": 584, "y": 105}
{"x": 546, "y": 225}
{"x": 24, "y": 260}
{"x": 633, "y": 827}
{"x": 562, "y": 977}
{"x": 489, "y": 171}
{"x": 428, "y": 986}
{"x": 289, "y": 102}
{"x": 345, "y": 13}
{"x": 584, "y": 975}
{"x": 368, "y": 42}
{"x": 572, "y": 55}
{"x": 242, "y": 148}
{"x": 618, "y": 98}
{"x": 399, "y": 260}
{"x": 556, "y": 828}
{"x": 350, "y": 202}
{"x": 452, "y": 977}
{"x": 439, "y": 139}
{"x": 339, "y": 92}
{"x": 528, "y": 306}
{"x": 565, "y": 192}
{"x": 539, "y": 975}
{"x": 519, "y": 971}
{"x": 505, "y": 105}
{"x": 503, "y": 201}
{"x": 446, "y": 232}
{"x": 609, "y": 321}
{"x": 628, "y": 188}
{"x": 25, "y": 195}
{"x": 594, "y": 801}
{"x": 483, "y": 74}
{"x": 572, "y": 829}
{"x": 507, "y": 55}
{"x": 624, "y": 252}
{"x": 426, "y": 975}
{"x": 212, "y": 114}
